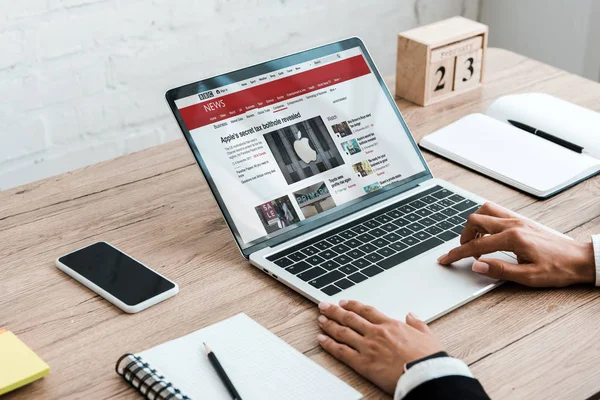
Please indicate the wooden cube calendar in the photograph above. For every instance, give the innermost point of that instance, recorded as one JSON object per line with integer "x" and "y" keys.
{"x": 440, "y": 60}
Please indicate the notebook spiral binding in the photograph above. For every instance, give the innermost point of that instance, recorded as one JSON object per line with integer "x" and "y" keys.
{"x": 146, "y": 380}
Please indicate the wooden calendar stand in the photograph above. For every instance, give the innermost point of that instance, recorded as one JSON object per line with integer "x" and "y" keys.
{"x": 440, "y": 60}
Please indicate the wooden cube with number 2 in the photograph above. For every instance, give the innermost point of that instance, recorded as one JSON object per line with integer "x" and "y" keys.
{"x": 441, "y": 77}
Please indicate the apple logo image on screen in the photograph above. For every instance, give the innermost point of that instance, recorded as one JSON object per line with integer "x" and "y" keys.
{"x": 303, "y": 149}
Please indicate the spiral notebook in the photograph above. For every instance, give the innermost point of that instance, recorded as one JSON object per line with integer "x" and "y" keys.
{"x": 260, "y": 365}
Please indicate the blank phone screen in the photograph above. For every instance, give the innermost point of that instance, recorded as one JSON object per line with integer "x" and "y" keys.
{"x": 116, "y": 273}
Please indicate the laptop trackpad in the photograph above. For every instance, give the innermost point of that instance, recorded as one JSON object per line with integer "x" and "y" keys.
{"x": 424, "y": 287}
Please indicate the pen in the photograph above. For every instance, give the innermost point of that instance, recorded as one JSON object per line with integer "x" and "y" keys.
{"x": 221, "y": 372}
{"x": 547, "y": 136}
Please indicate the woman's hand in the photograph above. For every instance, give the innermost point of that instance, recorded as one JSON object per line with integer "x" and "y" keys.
{"x": 545, "y": 259}
{"x": 375, "y": 346}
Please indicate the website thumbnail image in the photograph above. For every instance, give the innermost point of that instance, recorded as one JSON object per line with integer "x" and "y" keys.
{"x": 314, "y": 199}
{"x": 277, "y": 214}
{"x": 303, "y": 150}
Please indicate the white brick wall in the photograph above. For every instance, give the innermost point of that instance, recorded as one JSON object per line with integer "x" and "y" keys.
{"x": 83, "y": 80}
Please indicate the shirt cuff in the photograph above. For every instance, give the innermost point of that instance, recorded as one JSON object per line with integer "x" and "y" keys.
{"x": 428, "y": 370}
{"x": 596, "y": 244}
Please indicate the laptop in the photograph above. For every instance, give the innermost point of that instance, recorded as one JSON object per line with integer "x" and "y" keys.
{"x": 322, "y": 184}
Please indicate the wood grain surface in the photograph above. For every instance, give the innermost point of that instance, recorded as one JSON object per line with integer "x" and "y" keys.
{"x": 522, "y": 343}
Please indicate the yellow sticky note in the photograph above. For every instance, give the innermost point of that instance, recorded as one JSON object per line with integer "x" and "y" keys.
{"x": 19, "y": 365}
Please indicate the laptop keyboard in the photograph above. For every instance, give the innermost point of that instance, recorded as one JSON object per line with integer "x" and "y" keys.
{"x": 352, "y": 253}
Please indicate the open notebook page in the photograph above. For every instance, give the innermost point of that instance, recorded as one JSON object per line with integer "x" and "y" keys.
{"x": 550, "y": 114}
{"x": 510, "y": 154}
{"x": 260, "y": 365}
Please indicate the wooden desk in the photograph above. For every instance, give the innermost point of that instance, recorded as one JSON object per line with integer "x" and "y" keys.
{"x": 521, "y": 343}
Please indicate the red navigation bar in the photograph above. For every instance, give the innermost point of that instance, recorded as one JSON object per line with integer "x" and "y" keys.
{"x": 238, "y": 103}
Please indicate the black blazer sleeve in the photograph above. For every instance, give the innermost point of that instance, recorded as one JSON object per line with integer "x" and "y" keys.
{"x": 447, "y": 387}
{"x": 451, "y": 387}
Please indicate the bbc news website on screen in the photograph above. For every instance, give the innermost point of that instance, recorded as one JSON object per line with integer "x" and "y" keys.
{"x": 290, "y": 144}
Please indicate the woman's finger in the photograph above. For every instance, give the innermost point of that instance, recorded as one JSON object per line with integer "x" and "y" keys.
{"x": 342, "y": 352}
{"x": 478, "y": 224}
{"x": 345, "y": 318}
{"x": 494, "y": 210}
{"x": 502, "y": 270}
{"x": 415, "y": 322}
{"x": 485, "y": 245}
{"x": 342, "y": 334}
{"x": 369, "y": 313}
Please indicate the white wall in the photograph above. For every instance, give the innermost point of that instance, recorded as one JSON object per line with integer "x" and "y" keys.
{"x": 83, "y": 80}
{"x": 592, "y": 64}
{"x": 562, "y": 33}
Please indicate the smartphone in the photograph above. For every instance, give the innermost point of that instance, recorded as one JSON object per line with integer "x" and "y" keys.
{"x": 119, "y": 278}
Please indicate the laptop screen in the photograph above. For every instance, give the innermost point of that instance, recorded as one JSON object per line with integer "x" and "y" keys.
{"x": 293, "y": 143}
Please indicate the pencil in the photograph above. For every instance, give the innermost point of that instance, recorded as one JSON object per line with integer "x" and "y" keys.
{"x": 221, "y": 372}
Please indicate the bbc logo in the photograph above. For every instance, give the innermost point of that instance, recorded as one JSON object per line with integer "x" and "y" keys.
{"x": 206, "y": 95}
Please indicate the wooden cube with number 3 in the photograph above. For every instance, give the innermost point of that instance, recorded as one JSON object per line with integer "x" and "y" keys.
{"x": 468, "y": 70}
{"x": 440, "y": 60}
